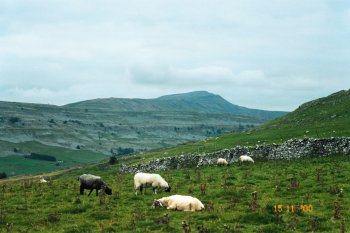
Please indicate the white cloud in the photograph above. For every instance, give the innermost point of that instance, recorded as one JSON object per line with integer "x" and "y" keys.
{"x": 248, "y": 51}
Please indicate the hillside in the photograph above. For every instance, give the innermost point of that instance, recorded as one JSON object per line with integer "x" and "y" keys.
{"x": 321, "y": 118}
{"x": 332, "y": 112}
{"x": 104, "y": 127}
{"x": 306, "y": 195}
{"x": 105, "y": 124}
{"x": 198, "y": 101}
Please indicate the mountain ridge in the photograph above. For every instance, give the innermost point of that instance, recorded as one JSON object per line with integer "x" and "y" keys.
{"x": 198, "y": 101}
{"x": 105, "y": 124}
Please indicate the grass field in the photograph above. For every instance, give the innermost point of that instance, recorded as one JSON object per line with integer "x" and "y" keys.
{"x": 18, "y": 165}
{"x": 321, "y": 182}
{"x": 307, "y": 195}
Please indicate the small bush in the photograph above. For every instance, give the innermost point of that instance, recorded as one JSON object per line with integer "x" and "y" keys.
{"x": 113, "y": 160}
{"x": 41, "y": 157}
{"x": 3, "y": 175}
{"x": 53, "y": 217}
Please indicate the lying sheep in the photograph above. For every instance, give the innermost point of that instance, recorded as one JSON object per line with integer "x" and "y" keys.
{"x": 179, "y": 202}
{"x": 42, "y": 180}
{"x": 143, "y": 180}
{"x": 221, "y": 162}
{"x": 245, "y": 158}
{"x": 88, "y": 181}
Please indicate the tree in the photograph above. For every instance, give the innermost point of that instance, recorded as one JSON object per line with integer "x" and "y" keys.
{"x": 113, "y": 160}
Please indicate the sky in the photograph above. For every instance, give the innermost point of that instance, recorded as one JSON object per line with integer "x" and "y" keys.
{"x": 264, "y": 54}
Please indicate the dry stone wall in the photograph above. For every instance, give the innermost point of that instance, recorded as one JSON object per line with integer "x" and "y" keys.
{"x": 291, "y": 149}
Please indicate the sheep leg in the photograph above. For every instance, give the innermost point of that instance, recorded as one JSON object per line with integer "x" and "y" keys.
{"x": 141, "y": 190}
{"x": 96, "y": 192}
{"x": 81, "y": 190}
{"x": 172, "y": 207}
{"x": 154, "y": 190}
{"x": 90, "y": 192}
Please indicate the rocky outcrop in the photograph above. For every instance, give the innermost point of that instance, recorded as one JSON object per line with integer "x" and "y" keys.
{"x": 291, "y": 149}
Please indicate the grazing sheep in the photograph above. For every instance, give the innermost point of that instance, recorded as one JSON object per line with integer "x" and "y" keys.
{"x": 179, "y": 202}
{"x": 221, "y": 162}
{"x": 42, "y": 180}
{"x": 88, "y": 181}
{"x": 245, "y": 158}
{"x": 143, "y": 180}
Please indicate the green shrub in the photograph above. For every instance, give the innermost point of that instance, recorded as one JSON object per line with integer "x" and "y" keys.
{"x": 3, "y": 175}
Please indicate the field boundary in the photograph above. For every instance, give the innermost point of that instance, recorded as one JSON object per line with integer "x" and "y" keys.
{"x": 291, "y": 149}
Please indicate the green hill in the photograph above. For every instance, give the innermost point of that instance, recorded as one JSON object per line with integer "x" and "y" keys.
{"x": 198, "y": 101}
{"x": 321, "y": 118}
{"x": 306, "y": 195}
{"x": 96, "y": 129}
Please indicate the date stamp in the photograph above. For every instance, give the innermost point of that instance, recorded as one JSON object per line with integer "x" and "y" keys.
{"x": 292, "y": 208}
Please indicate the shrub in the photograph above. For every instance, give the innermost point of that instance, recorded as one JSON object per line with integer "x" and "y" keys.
{"x": 122, "y": 151}
{"x": 113, "y": 160}
{"x": 40, "y": 157}
{"x": 3, "y": 175}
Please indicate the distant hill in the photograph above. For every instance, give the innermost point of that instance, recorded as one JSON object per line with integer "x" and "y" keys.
{"x": 198, "y": 101}
{"x": 106, "y": 125}
{"x": 321, "y": 118}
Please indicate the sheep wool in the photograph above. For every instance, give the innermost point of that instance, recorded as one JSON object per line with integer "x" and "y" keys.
{"x": 179, "y": 202}
{"x": 42, "y": 180}
{"x": 143, "y": 180}
{"x": 91, "y": 182}
{"x": 245, "y": 158}
{"x": 221, "y": 162}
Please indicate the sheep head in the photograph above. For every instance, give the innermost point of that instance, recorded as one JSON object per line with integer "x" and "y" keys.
{"x": 167, "y": 189}
{"x": 107, "y": 190}
{"x": 156, "y": 204}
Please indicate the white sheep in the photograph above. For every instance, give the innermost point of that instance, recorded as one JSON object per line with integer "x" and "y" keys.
{"x": 42, "y": 180}
{"x": 143, "y": 180}
{"x": 245, "y": 158}
{"x": 179, "y": 202}
{"x": 221, "y": 161}
{"x": 88, "y": 181}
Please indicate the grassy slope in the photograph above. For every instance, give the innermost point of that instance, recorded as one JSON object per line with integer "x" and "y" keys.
{"x": 321, "y": 118}
{"x": 229, "y": 189}
{"x": 18, "y": 165}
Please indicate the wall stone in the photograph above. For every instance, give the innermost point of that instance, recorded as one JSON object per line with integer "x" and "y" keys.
{"x": 291, "y": 149}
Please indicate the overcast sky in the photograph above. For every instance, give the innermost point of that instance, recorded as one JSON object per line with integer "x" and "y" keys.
{"x": 265, "y": 54}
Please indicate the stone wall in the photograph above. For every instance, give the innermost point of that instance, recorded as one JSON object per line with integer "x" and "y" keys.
{"x": 291, "y": 149}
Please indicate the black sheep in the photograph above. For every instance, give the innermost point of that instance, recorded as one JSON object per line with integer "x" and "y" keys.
{"x": 91, "y": 182}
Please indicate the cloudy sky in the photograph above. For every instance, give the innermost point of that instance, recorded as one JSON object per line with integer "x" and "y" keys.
{"x": 266, "y": 54}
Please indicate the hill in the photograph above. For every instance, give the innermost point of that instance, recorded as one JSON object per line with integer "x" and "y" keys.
{"x": 104, "y": 127}
{"x": 321, "y": 118}
{"x": 306, "y": 195}
{"x": 198, "y": 101}
{"x": 331, "y": 112}
{"x": 207, "y": 102}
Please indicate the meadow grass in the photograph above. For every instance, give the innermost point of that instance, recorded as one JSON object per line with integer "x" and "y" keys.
{"x": 320, "y": 182}
{"x": 18, "y": 165}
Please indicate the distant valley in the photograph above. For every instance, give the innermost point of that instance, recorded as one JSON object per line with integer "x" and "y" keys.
{"x": 109, "y": 126}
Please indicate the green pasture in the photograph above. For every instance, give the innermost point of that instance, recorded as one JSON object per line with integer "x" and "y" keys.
{"x": 18, "y": 165}
{"x": 320, "y": 182}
